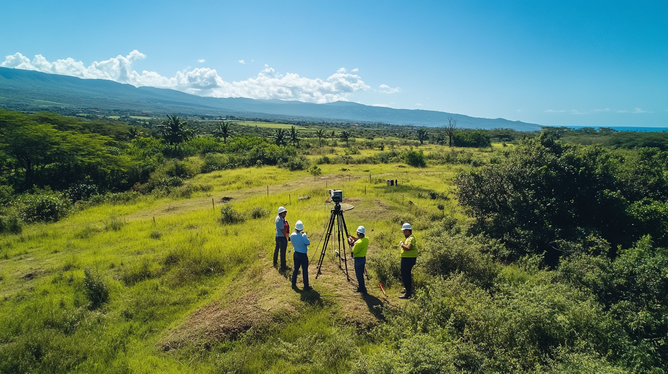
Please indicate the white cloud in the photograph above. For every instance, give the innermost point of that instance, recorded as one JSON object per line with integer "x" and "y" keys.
{"x": 418, "y": 104}
{"x": 242, "y": 61}
{"x": 636, "y": 110}
{"x": 203, "y": 81}
{"x": 383, "y": 88}
{"x": 355, "y": 70}
{"x": 554, "y": 111}
{"x": 201, "y": 60}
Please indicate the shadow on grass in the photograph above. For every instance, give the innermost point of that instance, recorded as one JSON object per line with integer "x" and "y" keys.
{"x": 309, "y": 296}
{"x": 375, "y": 306}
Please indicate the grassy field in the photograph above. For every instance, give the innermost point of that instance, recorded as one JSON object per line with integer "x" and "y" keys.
{"x": 268, "y": 125}
{"x": 187, "y": 293}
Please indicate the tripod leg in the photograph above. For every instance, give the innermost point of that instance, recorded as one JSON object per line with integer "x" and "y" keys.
{"x": 328, "y": 233}
{"x": 342, "y": 224}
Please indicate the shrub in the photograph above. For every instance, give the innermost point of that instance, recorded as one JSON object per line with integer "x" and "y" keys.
{"x": 43, "y": 207}
{"x": 10, "y": 224}
{"x": 295, "y": 163}
{"x": 215, "y": 161}
{"x": 95, "y": 288}
{"x": 259, "y": 212}
{"x": 229, "y": 215}
{"x": 6, "y": 194}
{"x": 414, "y": 158}
{"x": 113, "y": 224}
{"x": 81, "y": 192}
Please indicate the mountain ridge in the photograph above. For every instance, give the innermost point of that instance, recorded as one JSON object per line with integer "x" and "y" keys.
{"x": 32, "y": 90}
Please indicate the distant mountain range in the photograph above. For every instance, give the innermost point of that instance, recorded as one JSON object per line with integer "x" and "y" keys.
{"x": 30, "y": 90}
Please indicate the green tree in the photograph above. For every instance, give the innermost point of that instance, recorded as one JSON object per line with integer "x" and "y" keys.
{"x": 223, "y": 131}
{"x": 43, "y": 155}
{"x": 294, "y": 138}
{"x": 320, "y": 133}
{"x": 549, "y": 197}
{"x": 422, "y": 135}
{"x": 175, "y": 131}
{"x": 279, "y": 136}
{"x": 345, "y": 136}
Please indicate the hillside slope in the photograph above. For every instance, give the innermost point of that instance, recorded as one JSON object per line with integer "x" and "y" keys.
{"x": 31, "y": 90}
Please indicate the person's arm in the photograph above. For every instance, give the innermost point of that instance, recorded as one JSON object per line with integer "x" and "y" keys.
{"x": 305, "y": 239}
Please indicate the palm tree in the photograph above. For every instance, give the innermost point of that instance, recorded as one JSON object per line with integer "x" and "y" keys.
{"x": 279, "y": 136}
{"x": 320, "y": 133}
{"x": 345, "y": 136}
{"x": 422, "y": 135}
{"x": 294, "y": 139}
{"x": 175, "y": 131}
{"x": 223, "y": 131}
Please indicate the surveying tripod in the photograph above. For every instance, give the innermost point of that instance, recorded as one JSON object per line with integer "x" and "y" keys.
{"x": 336, "y": 218}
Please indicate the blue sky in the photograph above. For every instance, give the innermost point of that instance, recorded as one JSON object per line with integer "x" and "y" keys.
{"x": 575, "y": 63}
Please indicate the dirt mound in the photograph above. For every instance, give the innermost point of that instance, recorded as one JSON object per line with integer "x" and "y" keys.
{"x": 215, "y": 322}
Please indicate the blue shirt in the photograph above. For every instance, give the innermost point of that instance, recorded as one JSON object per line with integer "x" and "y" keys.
{"x": 299, "y": 241}
{"x": 280, "y": 225}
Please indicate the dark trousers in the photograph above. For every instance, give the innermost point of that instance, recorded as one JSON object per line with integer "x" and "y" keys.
{"x": 282, "y": 244}
{"x": 407, "y": 264}
{"x": 360, "y": 262}
{"x": 301, "y": 260}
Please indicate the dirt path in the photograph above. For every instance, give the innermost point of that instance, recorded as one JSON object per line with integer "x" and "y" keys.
{"x": 220, "y": 198}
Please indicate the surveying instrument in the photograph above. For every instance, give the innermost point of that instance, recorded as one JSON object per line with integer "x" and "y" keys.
{"x": 336, "y": 225}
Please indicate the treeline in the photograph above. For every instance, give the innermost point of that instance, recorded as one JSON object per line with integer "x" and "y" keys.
{"x": 563, "y": 266}
{"x": 610, "y": 138}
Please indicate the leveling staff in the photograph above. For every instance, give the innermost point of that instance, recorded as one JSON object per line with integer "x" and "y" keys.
{"x": 359, "y": 256}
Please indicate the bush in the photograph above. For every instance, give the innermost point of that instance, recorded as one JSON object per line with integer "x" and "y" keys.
{"x": 43, "y": 207}
{"x": 229, "y": 215}
{"x": 414, "y": 158}
{"x": 295, "y": 163}
{"x": 10, "y": 224}
{"x": 95, "y": 288}
{"x": 6, "y": 194}
{"x": 215, "y": 161}
{"x": 81, "y": 192}
{"x": 448, "y": 254}
{"x": 259, "y": 212}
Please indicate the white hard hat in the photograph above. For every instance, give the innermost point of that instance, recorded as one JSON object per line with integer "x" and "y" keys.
{"x": 361, "y": 230}
{"x": 406, "y": 226}
{"x": 281, "y": 210}
{"x": 299, "y": 226}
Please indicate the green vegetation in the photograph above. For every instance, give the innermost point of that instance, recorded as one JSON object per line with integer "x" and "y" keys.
{"x": 139, "y": 254}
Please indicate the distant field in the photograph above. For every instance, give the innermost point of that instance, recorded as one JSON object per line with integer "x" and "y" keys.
{"x": 267, "y": 125}
{"x": 44, "y": 102}
{"x": 135, "y": 117}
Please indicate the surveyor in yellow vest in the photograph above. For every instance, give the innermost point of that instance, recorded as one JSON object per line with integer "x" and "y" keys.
{"x": 408, "y": 257}
{"x": 361, "y": 244}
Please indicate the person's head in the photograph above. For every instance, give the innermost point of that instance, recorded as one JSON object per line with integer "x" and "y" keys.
{"x": 282, "y": 211}
{"x": 361, "y": 232}
{"x": 299, "y": 226}
{"x": 407, "y": 229}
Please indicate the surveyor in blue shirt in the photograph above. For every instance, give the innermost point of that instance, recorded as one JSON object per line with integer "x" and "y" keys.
{"x": 300, "y": 243}
{"x": 282, "y": 233}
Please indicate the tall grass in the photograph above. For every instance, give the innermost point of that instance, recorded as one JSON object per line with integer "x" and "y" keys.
{"x": 96, "y": 291}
